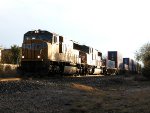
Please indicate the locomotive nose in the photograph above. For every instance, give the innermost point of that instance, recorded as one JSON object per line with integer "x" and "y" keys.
{"x": 33, "y": 50}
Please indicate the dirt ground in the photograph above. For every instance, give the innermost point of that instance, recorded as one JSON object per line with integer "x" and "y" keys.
{"x": 79, "y": 95}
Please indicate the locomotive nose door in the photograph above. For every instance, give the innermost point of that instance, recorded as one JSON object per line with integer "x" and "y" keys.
{"x": 29, "y": 50}
{"x": 33, "y": 50}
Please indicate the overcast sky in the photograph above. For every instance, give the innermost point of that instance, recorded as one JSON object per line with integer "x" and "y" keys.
{"x": 120, "y": 25}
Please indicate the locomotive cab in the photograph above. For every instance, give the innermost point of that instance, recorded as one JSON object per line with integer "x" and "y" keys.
{"x": 35, "y": 50}
{"x": 35, "y": 43}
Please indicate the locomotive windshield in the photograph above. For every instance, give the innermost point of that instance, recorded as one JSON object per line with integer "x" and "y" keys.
{"x": 34, "y": 46}
{"x": 42, "y": 35}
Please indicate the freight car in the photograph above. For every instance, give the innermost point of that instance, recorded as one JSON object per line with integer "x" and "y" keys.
{"x": 113, "y": 63}
{"x": 48, "y": 53}
{"x": 131, "y": 66}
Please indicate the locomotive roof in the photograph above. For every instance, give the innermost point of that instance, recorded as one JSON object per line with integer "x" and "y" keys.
{"x": 38, "y": 31}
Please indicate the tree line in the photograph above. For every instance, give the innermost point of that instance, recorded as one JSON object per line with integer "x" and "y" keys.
{"x": 12, "y": 55}
{"x": 143, "y": 54}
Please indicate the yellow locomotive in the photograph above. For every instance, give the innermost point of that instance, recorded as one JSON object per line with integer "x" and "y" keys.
{"x": 48, "y": 53}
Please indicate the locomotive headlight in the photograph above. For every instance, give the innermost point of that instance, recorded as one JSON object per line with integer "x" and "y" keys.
{"x": 38, "y": 56}
{"x": 22, "y": 56}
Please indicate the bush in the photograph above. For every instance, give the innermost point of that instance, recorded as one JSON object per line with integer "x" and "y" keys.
{"x": 1, "y": 68}
{"x": 8, "y": 68}
{"x": 146, "y": 70}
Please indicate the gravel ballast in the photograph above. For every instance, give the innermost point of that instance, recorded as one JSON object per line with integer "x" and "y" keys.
{"x": 75, "y": 95}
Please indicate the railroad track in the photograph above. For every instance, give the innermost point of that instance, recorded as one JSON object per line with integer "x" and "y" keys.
{"x": 61, "y": 78}
{"x": 9, "y": 79}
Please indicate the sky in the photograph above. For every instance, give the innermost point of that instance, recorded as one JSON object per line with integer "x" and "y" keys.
{"x": 106, "y": 25}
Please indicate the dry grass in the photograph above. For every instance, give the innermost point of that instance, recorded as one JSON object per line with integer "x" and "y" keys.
{"x": 134, "y": 98}
{"x": 111, "y": 102}
{"x": 140, "y": 78}
{"x": 7, "y": 70}
{"x": 83, "y": 87}
{"x": 10, "y": 79}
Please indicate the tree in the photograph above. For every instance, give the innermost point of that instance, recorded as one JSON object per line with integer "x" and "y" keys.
{"x": 11, "y": 56}
{"x": 6, "y": 56}
{"x": 144, "y": 55}
{"x": 16, "y": 54}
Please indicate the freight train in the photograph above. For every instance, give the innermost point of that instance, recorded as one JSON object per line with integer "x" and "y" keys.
{"x": 48, "y": 53}
{"x": 115, "y": 64}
